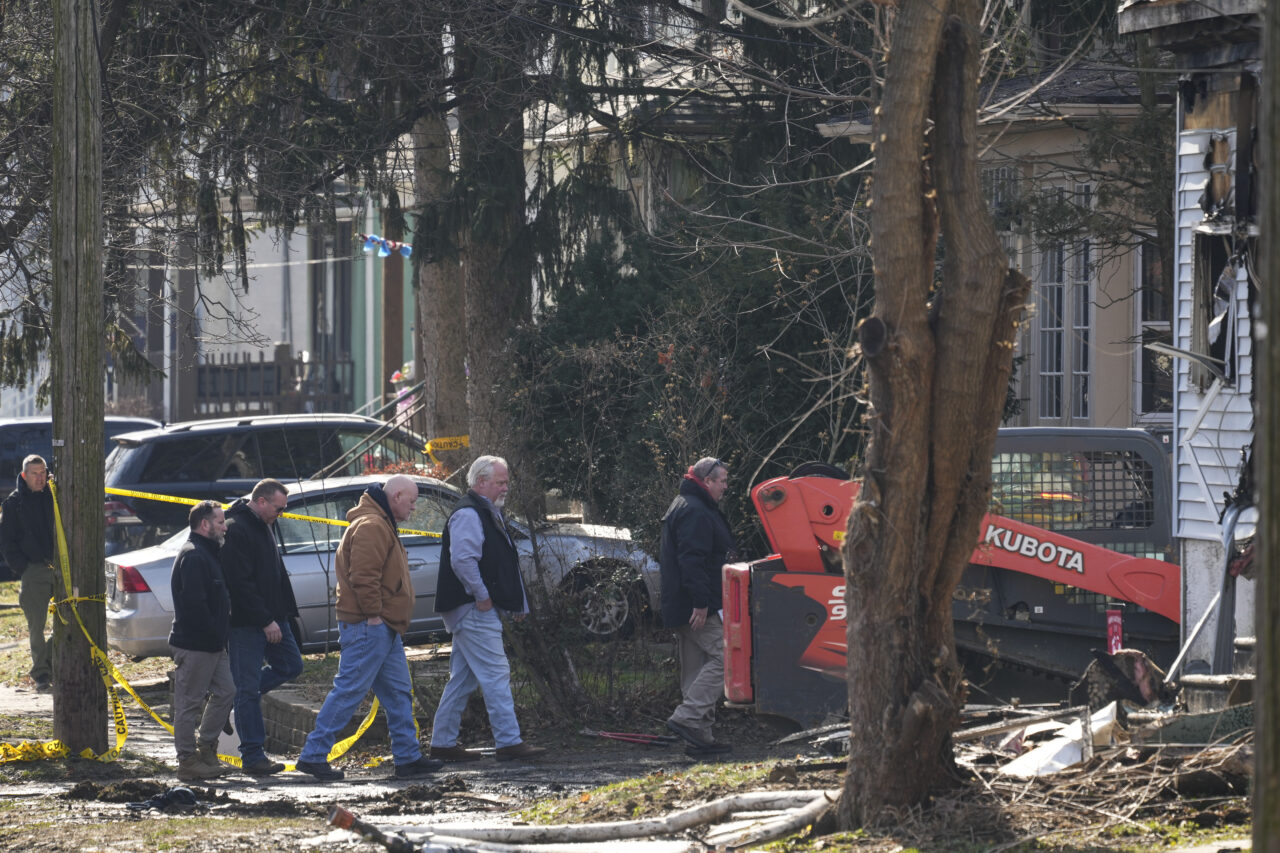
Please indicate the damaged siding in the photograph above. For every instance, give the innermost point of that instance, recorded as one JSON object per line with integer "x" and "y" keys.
{"x": 1213, "y": 424}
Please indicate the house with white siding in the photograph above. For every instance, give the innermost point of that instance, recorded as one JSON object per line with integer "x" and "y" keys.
{"x": 1216, "y": 45}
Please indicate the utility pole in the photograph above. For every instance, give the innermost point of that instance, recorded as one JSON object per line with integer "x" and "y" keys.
{"x": 80, "y": 704}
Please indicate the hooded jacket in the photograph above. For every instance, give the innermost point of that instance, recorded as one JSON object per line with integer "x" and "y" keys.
{"x": 373, "y": 566}
{"x": 696, "y": 542}
{"x": 255, "y": 575}
{"x": 201, "y": 605}
{"x": 26, "y": 528}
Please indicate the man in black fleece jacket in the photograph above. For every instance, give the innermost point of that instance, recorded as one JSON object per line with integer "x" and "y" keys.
{"x": 696, "y": 543}
{"x": 28, "y": 544}
{"x": 198, "y": 644}
{"x": 262, "y": 604}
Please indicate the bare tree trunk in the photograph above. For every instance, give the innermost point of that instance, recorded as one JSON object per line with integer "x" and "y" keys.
{"x": 938, "y": 360}
{"x": 440, "y": 301}
{"x": 80, "y": 704}
{"x": 1266, "y": 365}
{"x": 495, "y": 260}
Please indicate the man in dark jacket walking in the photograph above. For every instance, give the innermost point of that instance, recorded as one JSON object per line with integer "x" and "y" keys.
{"x": 198, "y": 644}
{"x": 262, "y": 604}
{"x": 696, "y": 543}
{"x": 28, "y": 544}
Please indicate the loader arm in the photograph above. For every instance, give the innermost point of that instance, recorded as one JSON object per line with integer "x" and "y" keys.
{"x": 805, "y": 519}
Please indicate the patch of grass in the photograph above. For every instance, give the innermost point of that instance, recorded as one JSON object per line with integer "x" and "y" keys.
{"x": 25, "y": 727}
{"x": 318, "y": 669}
{"x": 655, "y": 794}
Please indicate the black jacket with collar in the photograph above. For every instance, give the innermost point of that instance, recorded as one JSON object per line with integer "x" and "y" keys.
{"x": 26, "y": 528}
{"x": 696, "y": 542}
{"x": 254, "y": 572}
{"x": 201, "y": 604}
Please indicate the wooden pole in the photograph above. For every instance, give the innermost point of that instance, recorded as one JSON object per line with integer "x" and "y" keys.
{"x": 80, "y": 705}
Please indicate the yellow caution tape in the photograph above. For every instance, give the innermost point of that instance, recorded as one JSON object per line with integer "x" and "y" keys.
{"x": 130, "y": 493}
{"x": 448, "y": 442}
{"x": 336, "y": 522}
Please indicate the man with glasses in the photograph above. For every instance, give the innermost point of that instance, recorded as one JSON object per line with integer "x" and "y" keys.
{"x": 696, "y": 543}
{"x": 262, "y": 604}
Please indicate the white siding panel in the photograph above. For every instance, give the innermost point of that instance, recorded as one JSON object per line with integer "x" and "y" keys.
{"x": 1192, "y": 144}
{"x": 1205, "y": 467}
{"x": 1209, "y": 461}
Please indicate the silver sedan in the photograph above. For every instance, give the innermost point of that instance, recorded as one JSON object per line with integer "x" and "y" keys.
{"x": 610, "y": 580}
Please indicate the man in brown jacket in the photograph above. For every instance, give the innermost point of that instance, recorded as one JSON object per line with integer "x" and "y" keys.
{"x": 375, "y": 602}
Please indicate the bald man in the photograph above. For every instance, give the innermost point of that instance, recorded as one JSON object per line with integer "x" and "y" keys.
{"x": 375, "y": 604}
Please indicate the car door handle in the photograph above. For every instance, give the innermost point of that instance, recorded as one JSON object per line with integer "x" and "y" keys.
{"x": 418, "y": 564}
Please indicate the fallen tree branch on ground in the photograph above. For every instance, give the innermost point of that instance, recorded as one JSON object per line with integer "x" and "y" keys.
{"x": 614, "y": 830}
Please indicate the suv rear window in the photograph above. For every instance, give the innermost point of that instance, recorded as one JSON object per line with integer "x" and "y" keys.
{"x": 295, "y": 454}
{"x": 190, "y": 458}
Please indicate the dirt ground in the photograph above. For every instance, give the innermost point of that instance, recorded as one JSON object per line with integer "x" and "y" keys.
{"x": 1117, "y": 803}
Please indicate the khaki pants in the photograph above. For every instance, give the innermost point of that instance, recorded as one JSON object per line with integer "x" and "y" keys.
{"x": 199, "y": 674}
{"x": 701, "y": 675}
{"x": 39, "y": 585}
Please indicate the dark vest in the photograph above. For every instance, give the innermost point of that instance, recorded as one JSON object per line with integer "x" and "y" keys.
{"x": 499, "y": 565}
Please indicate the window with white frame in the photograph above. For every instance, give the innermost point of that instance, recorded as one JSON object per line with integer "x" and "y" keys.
{"x": 1155, "y": 369}
{"x": 1052, "y": 337}
{"x": 1063, "y": 327}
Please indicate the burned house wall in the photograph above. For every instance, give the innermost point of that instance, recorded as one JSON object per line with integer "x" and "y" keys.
{"x": 1213, "y": 407}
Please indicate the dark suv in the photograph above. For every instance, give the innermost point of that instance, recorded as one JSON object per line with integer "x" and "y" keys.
{"x": 222, "y": 459}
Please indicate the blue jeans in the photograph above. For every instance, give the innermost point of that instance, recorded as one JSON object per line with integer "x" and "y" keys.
{"x": 372, "y": 657}
{"x": 477, "y": 660}
{"x": 247, "y": 648}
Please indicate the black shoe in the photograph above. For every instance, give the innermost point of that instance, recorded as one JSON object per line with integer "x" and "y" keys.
{"x": 263, "y": 767}
{"x": 519, "y": 750}
{"x": 226, "y": 727}
{"x": 694, "y": 739}
{"x": 44, "y": 685}
{"x": 714, "y": 748}
{"x": 319, "y": 769}
{"x": 423, "y": 766}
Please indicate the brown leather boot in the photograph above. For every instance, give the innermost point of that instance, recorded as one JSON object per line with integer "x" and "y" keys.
{"x": 192, "y": 769}
{"x": 207, "y": 753}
